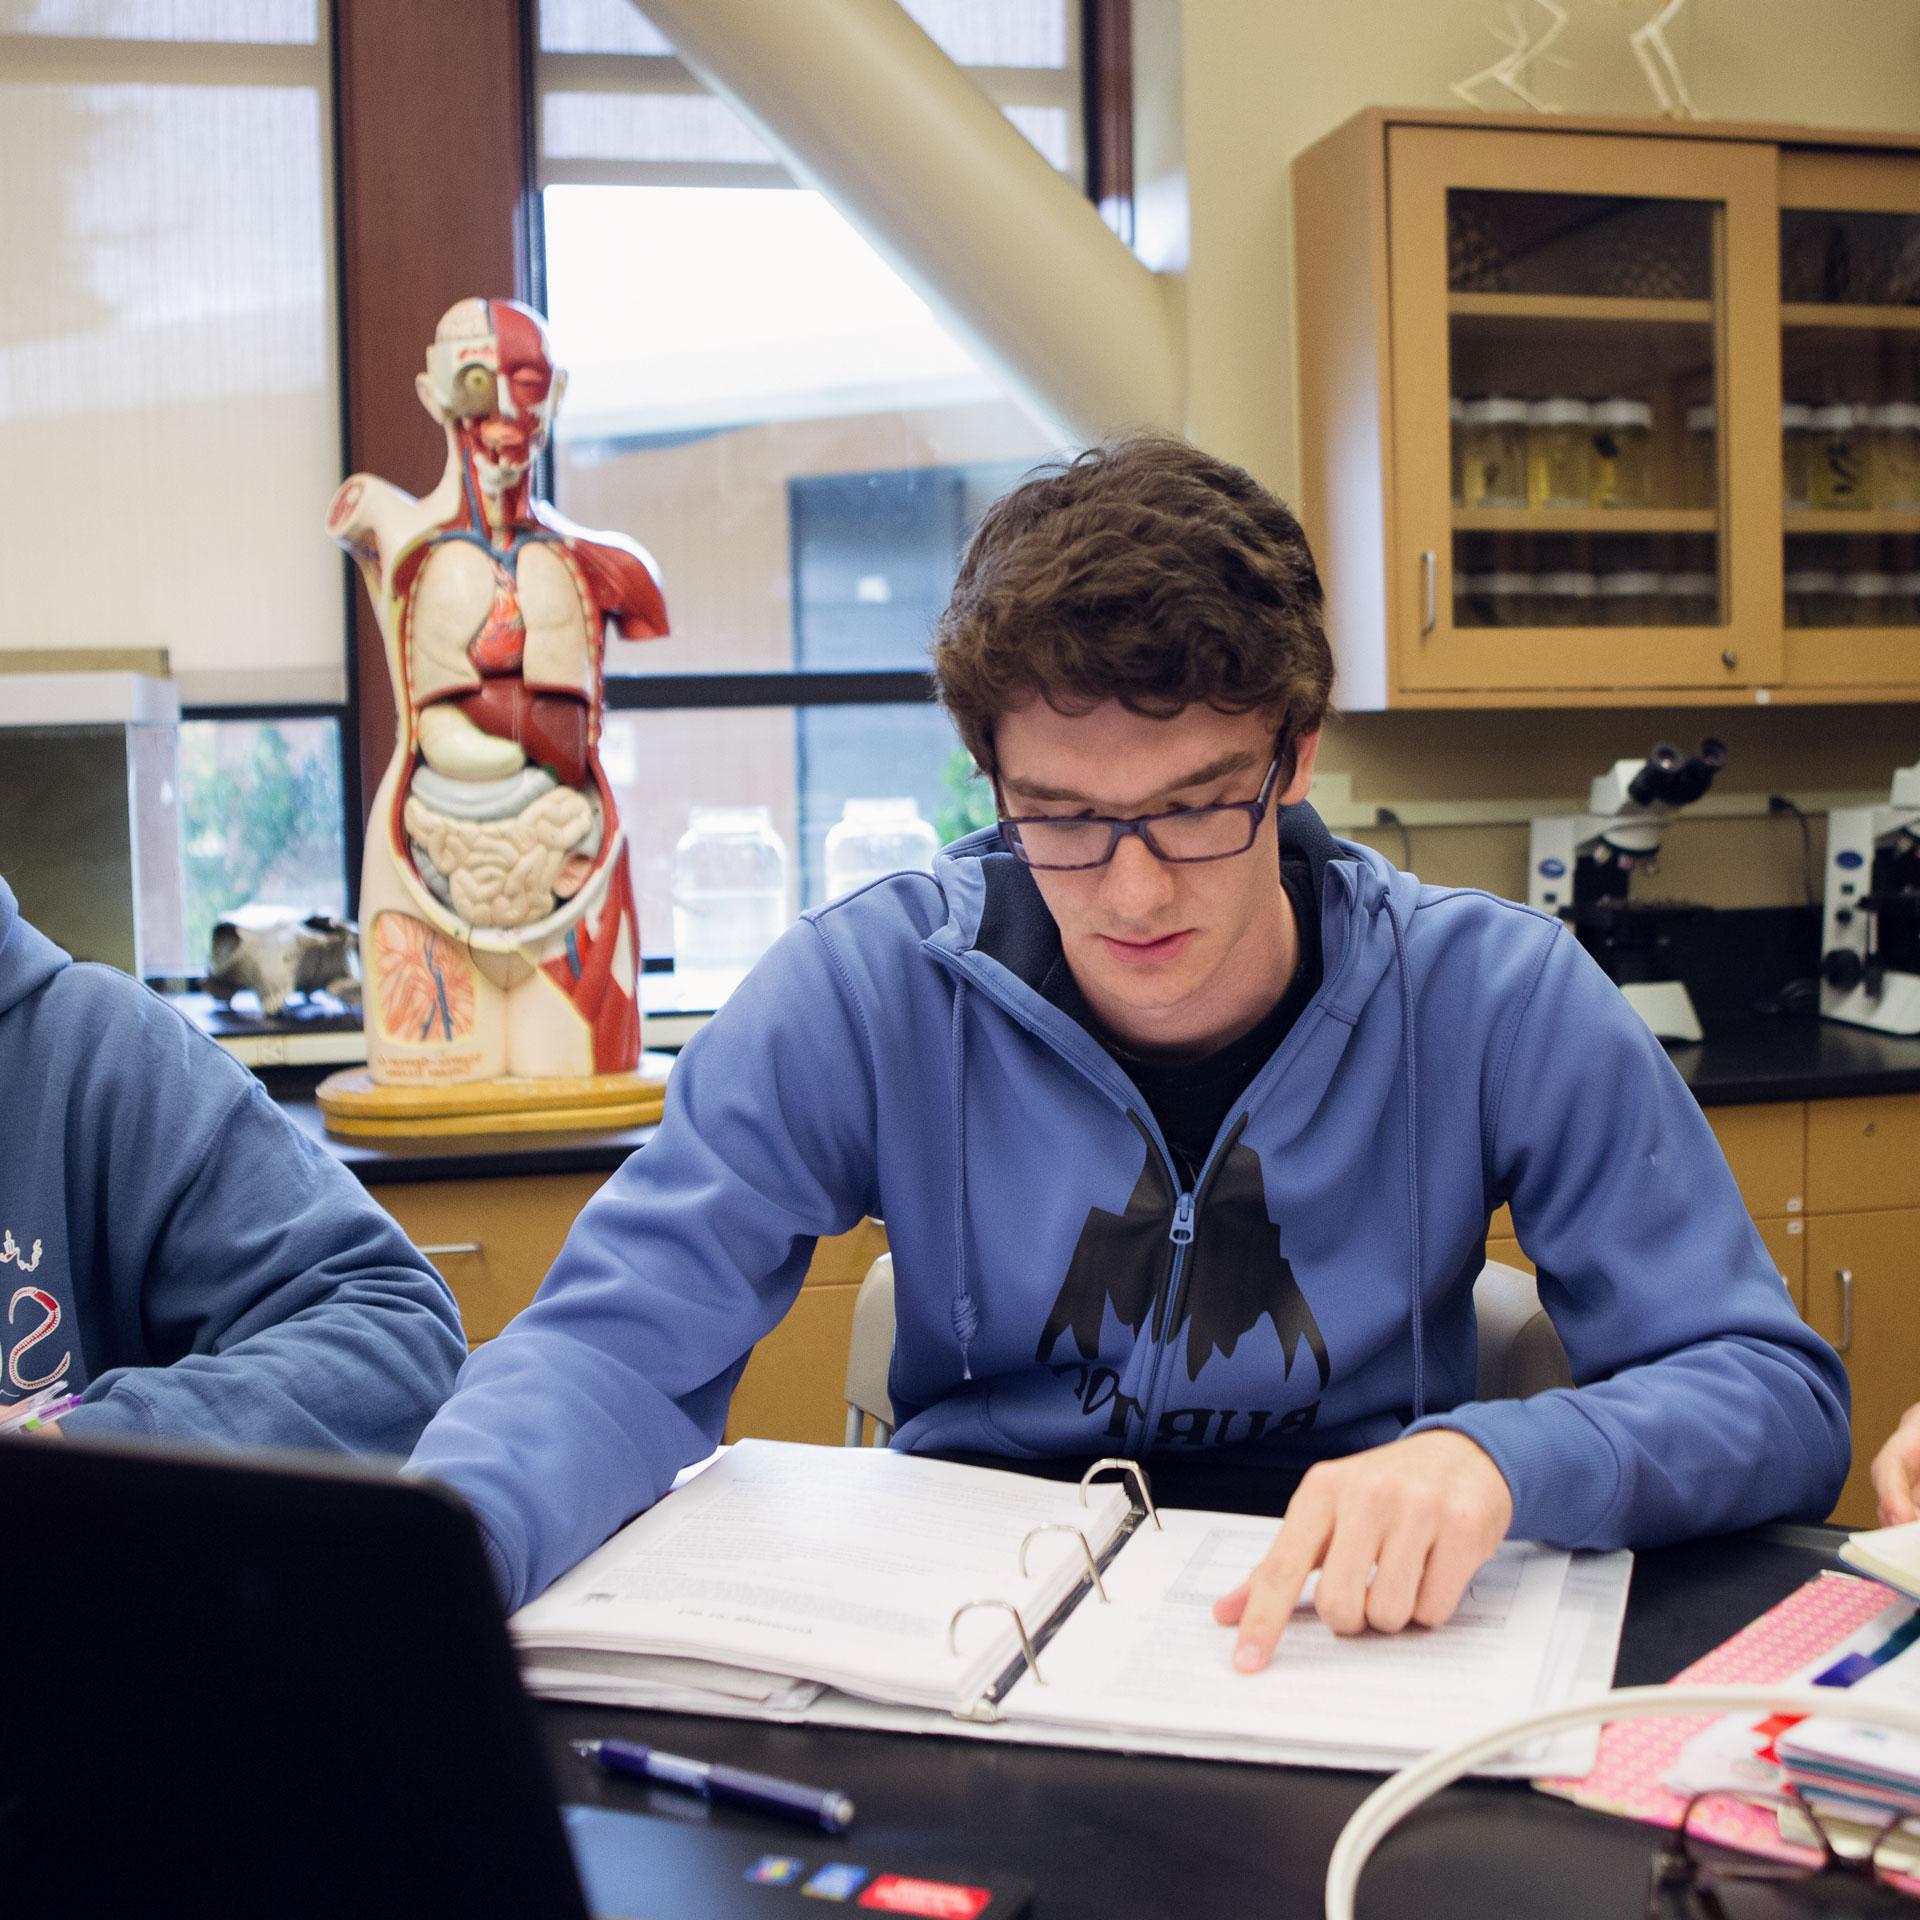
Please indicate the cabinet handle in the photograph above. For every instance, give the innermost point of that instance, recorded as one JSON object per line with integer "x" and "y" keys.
{"x": 449, "y": 1246}
{"x": 1729, "y": 659}
{"x": 1429, "y": 592}
{"x": 1845, "y": 1276}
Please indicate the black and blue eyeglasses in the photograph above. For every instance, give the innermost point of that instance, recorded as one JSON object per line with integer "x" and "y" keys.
{"x": 1067, "y": 845}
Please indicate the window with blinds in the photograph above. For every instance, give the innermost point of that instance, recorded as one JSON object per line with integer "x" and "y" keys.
{"x": 169, "y": 399}
{"x": 616, "y": 108}
{"x": 759, "y": 399}
{"x": 170, "y": 410}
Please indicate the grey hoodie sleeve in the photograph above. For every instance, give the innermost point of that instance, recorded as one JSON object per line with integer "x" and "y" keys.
{"x": 1704, "y": 1402}
{"x": 242, "y": 1289}
{"x": 620, "y": 1372}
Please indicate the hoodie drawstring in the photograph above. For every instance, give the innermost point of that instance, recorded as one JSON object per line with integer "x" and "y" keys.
{"x": 1414, "y": 1302}
{"x": 966, "y": 1313}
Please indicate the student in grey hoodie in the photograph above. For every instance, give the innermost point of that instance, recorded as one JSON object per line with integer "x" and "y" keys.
{"x": 1186, "y": 1120}
{"x": 174, "y": 1251}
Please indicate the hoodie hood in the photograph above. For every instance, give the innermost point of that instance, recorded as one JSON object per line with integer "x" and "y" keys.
{"x": 1000, "y": 937}
{"x": 28, "y": 959}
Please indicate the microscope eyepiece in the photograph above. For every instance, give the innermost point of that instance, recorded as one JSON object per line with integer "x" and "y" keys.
{"x": 1670, "y": 779}
{"x": 1691, "y": 781}
{"x": 1650, "y": 784}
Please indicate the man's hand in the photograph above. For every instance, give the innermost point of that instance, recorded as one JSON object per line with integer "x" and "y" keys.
{"x": 1896, "y": 1471}
{"x": 1397, "y": 1532}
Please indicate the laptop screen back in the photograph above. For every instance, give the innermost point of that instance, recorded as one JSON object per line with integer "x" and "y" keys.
{"x": 273, "y": 1687}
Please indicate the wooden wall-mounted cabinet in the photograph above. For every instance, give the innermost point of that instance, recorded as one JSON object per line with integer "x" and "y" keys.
{"x": 1593, "y": 412}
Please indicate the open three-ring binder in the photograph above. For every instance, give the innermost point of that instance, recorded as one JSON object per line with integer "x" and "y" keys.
{"x": 1027, "y": 1666}
{"x": 859, "y": 1586}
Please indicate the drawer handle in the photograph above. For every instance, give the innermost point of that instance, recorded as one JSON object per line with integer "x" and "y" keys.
{"x": 1845, "y": 1276}
{"x": 449, "y": 1247}
{"x": 1429, "y": 592}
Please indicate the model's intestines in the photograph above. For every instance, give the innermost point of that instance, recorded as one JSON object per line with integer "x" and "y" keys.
{"x": 506, "y": 869}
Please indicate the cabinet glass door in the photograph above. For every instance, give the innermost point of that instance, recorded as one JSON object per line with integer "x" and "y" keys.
{"x": 1575, "y": 324}
{"x": 1850, "y": 418}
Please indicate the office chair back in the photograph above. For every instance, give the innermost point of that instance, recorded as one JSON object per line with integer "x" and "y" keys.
{"x": 870, "y": 1355}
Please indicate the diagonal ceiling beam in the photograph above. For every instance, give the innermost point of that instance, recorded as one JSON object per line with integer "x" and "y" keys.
{"x": 859, "y": 102}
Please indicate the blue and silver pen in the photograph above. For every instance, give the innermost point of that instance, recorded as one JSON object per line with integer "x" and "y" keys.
{"x": 831, "y": 1812}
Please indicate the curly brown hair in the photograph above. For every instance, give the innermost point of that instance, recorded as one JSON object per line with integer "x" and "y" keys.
{"x": 1143, "y": 571}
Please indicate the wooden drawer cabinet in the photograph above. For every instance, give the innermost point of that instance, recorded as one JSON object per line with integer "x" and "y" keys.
{"x": 1506, "y": 1249}
{"x": 1863, "y": 1154}
{"x": 1766, "y": 1148}
{"x": 1786, "y": 1242}
{"x": 492, "y": 1240}
{"x": 1863, "y": 1294}
{"x": 793, "y": 1386}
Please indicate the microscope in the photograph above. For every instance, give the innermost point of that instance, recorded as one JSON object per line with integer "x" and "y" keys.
{"x": 1870, "y": 937}
{"x": 1581, "y": 864}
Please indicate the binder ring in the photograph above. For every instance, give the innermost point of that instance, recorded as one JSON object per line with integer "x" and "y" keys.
{"x": 1020, "y": 1627}
{"x": 1140, "y": 1486}
{"x": 1065, "y": 1526}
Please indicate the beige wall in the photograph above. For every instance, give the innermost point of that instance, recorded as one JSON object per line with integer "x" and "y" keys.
{"x": 1254, "y": 82}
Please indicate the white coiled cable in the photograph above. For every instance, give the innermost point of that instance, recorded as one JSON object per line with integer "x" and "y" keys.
{"x": 1390, "y": 1802}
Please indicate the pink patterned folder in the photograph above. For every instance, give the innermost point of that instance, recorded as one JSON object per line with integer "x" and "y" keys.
{"x": 1636, "y": 1755}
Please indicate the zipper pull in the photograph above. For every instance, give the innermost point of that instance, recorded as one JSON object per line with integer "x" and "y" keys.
{"x": 1182, "y": 1230}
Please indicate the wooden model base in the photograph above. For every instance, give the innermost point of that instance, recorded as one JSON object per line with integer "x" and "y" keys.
{"x": 357, "y": 1107}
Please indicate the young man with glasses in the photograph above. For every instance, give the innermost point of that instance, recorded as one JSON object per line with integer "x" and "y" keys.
{"x": 1186, "y": 1121}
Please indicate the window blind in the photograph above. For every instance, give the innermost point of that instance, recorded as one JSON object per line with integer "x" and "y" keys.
{"x": 169, "y": 392}
{"x": 617, "y": 108}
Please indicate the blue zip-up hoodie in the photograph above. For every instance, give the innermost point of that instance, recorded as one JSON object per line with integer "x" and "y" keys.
{"x": 1057, "y": 1292}
{"x": 174, "y": 1249}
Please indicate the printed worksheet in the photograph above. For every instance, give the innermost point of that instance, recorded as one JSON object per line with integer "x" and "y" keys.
{"x": 1153, "y": 1657}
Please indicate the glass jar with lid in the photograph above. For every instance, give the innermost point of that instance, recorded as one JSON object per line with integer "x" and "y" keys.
{"x": 1700, "y": 468}
{"x": 1468, "y": 608}
{"x": 874, "y": 838}
{"x": 1620, "y": 472}
{"x": 1565, "y": 598}
{"x": 1628, "y": 597}
{"x": 1493, "y": 461}
{"x": 1508, "y": 596}
{"x": 1894, "y": 457}
{"x": 1796, "y": 454}
{"x": 1692, "y": 599}
{"x": 1813, "y": 597}
{"x": 1868, "y": 597}
{"x": 1838, "y": 481}
{"x": 1559, "y": 452}
{"x": 729, "y": 899}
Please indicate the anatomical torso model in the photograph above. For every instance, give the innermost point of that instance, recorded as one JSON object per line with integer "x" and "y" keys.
{"x": 498, "y": 923}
